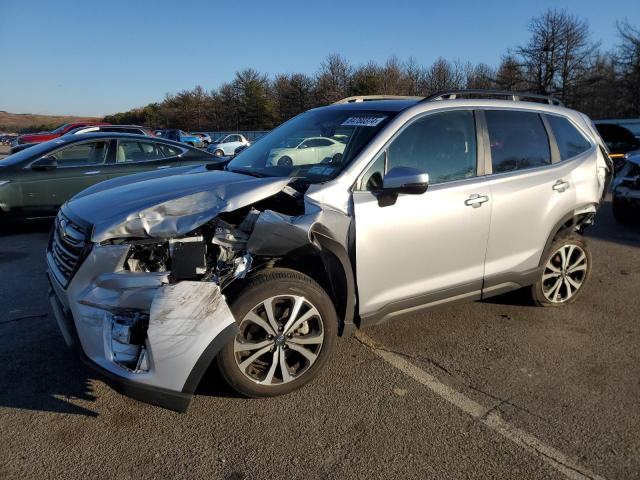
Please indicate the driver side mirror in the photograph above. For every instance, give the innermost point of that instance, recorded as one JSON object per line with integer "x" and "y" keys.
{"x": 405, "y": 180}
{"x": 45, "y": 163}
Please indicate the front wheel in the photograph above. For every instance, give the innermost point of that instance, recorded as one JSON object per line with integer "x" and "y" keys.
{"x": 218, "y": 152}
{"x": 285, "y": 162}
{"x": 288, "y": 329}
{"x": 566, "y": 270}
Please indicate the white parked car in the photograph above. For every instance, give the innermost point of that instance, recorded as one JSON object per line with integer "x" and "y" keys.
{"x": 227, "y": 144}
{"x": 305, "y": 151}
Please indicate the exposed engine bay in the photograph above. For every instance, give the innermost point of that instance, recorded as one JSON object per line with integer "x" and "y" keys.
{"x": 218, "y": 250}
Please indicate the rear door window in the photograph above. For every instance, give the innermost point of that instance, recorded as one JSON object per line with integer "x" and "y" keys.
{"x": 518, "y": 140}
{"x": 569, "y": 140}
{"x": 78, "y": 155}
{"x": 129, "y": 151}
{"x": 169, "y": 151}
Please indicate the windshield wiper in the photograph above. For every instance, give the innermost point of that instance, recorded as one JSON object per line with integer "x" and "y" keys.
{"x": 248, "y": 172}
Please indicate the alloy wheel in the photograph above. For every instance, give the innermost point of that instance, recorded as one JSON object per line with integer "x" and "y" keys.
{"x": 565, "y": 273}
{"x": 279, "y": 340}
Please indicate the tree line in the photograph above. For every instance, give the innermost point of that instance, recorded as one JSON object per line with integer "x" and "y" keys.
{"x": 559, "y": 59}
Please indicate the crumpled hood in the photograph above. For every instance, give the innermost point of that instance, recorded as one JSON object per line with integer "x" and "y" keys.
{"x": 169, "y": 205}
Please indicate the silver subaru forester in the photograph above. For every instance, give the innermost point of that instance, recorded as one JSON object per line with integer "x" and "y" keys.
{"x": 258, "y": 265}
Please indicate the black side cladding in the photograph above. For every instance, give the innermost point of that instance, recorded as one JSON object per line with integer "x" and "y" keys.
{"x": 320, "y": 230}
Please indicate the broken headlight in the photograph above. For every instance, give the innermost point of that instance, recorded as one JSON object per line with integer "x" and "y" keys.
{"x": 128, "y": 334}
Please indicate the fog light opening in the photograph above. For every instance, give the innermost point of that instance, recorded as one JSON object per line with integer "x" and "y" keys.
{"x": 128, "y": 339}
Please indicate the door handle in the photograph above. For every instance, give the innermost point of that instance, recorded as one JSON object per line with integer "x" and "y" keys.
{"x": 92, "y": 172}
{"x": 163, "y": 166}
{"x": 476, "y": 200}
{"x": 560, "y": 186}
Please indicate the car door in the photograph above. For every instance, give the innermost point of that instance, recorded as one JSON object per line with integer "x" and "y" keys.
{"x": 78, "y": 166}
{"x": 415, "y": 250}
{"x": 135, "y": 156}
{"x": 531, "y": 192}
{"x": 307, "y": 152}
{"x": 326, "y": 149}
{"x": 232, "y": 142}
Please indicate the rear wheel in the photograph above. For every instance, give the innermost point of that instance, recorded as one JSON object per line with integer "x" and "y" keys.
{"x": 288, "y": 329}
{"x": 566, "y": 270}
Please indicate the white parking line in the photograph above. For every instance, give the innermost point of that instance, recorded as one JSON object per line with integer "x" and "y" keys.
{"x": 493, "y": 420}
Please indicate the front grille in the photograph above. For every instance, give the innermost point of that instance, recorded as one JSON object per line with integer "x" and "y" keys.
{"x": 68, "y": 247}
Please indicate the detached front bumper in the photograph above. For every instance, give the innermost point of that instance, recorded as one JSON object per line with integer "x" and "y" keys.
{"x": 186, "y": 324}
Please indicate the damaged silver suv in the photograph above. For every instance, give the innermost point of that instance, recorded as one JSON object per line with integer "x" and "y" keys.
{"x": 383, "y": 206}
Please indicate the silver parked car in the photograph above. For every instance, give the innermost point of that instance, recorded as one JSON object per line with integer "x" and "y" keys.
{"x": 261, "y": 266}
{"x": 226, "y": 145}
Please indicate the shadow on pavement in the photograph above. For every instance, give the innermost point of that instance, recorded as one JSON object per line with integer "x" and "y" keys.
{"x": 519, "y": 298}
{"x": 20, "y": 227}
{"x": 39, "y": 372}
{"x": 607, "y": 229}
{"x": 213, "y": 385}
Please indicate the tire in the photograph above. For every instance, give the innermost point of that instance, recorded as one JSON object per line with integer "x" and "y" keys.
{"x": 218, "y": 152}
{"x": 285, "y": 162}
{"x": 623, "y": 212}
{"x": 258, "y": 377}
{"x": 561, "y": 281}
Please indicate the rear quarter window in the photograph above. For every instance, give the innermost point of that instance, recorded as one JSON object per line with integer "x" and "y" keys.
{"x": 569, "y": 140}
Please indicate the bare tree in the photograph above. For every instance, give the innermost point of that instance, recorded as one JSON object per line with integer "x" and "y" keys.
{"x": 480, "y": 76}
{"x": 628, "y": 57}
{"x": 393, "y": 82}
{"x": 443, "y": 75}
{"x": 558, "y": 54}
{"x": 332, "y": 81}
{"x": 415, "y": 78}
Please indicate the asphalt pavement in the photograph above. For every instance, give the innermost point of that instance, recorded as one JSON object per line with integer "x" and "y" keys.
{"x": 496, "y": 389}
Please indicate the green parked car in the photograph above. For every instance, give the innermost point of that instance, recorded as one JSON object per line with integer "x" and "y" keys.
{"x": 37, "y": 181}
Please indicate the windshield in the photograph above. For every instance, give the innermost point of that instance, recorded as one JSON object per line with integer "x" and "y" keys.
{"x": 314, "y": 146}
{"x": 60, "y": 129}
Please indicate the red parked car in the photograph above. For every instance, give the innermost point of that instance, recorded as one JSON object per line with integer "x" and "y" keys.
{"x": 61, "y": 130}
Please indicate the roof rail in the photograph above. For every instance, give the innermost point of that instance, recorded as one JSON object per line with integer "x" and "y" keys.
{"x": 370, "y": 98}
{"x": 515, "y": 96}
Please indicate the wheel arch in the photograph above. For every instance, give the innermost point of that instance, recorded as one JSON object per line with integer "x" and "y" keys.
{"x": 575, "y": 220}
{"x": 331, "y": 268}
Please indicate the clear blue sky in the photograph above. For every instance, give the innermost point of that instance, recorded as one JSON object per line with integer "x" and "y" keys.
{"x": 99, "y": 57}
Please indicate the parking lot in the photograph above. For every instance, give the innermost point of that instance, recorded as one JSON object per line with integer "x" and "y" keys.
{"x": 487, "y": 390}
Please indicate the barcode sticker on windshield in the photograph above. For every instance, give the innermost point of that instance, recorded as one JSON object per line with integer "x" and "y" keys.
{"x": 362, "y": 121}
